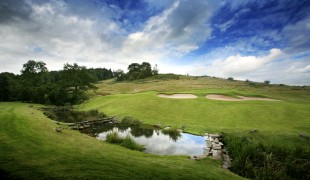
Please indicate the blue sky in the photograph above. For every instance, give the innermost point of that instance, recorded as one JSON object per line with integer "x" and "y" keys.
{"x": 244, "y": 39}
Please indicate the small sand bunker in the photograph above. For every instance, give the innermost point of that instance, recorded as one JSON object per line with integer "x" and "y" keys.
{"x": 240, "y": 98}
{"x": 178, "y": 96}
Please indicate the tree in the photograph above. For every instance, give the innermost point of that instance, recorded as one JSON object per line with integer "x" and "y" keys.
{"x": 155, "y": 70}
{"x": 33, "y": 80}
{"x": 8, "y": 91}
{"x": 230, "y": 78}
{"x": 139, "y": 71}
{"x": 34, "y": 72}
{"x": 266, "y": 82}
{"x": 76, "y": 79}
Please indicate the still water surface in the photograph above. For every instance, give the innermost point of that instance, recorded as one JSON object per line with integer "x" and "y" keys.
{"x": 155, "y": 141}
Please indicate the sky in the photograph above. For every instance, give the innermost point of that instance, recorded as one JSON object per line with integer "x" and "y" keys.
{"x": 244, "y": 39}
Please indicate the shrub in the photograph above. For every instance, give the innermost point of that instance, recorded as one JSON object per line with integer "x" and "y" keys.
{"x": 230, "y": 78}
{"x": 173, "y": 133}
{"x": 129, "y": 121}
{"x": 114, "y": 138}
{"x": 127, "y": 142}
{"x": 258, "y": 161}
{"x": 266, "y": 82}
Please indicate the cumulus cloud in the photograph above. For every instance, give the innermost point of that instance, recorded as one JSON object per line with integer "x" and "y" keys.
{"x": 177, "y": 30}
{"x": 237, "y": 64}
{"x": 57, "y": 32}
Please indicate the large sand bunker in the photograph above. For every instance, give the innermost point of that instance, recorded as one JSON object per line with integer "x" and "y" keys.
{"x": 177, "y": 96}
{"x": 240, "y": 98}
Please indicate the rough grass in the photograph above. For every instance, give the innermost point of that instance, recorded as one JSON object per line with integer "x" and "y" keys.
{"x": 127, "y": 141}
{"x": 32, "y": 149}
{"x": 259, "y": 161}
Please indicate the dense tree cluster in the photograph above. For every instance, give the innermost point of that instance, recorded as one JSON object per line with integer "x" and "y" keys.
{"x": 137, "y": 71}
{"x": 36, "y": 84}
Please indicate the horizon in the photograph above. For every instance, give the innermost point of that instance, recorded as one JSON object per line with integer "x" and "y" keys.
{"x": 265, "y": 40}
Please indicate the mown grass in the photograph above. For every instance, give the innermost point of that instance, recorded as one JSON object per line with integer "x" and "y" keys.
{"x": 32, "y": 149}
{"x": 278, "y": 123}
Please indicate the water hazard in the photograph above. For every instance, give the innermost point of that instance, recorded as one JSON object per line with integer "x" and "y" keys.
{"x": 156, "y": 141}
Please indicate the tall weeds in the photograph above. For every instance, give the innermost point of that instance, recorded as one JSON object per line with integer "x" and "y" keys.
{"x": 258, "y": 161}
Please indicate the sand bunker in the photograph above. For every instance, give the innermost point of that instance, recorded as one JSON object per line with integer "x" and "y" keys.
{"x": 240, "y": 98}
{"x": 178, "y": 96}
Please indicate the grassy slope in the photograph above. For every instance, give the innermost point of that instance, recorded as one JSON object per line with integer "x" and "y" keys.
{"x": 277, "y": 122}
{"x": 32, "y": 149}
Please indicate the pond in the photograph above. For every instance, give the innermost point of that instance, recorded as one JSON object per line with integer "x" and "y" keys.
{"x": 156, "y": 141}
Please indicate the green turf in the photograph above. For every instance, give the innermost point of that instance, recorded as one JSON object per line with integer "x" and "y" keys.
{"x": 277, "y": 122}
{"x": 32, "y": 149}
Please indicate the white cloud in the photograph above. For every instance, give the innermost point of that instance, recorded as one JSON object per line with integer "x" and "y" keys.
{"x": 237, "y": 64}
{"x": 56, "y": 33}
{"x": 176, "y": 31}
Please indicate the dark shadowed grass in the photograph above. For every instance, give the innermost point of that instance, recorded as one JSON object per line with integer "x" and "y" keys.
{"x": 259, "y": 161}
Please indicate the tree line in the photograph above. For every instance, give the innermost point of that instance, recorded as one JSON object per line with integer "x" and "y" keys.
{"x": 38, "y": 85}
{"x": 137, "y": 71}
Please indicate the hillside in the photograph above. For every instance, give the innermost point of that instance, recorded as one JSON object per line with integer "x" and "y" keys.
{"x": 31, "y": 148}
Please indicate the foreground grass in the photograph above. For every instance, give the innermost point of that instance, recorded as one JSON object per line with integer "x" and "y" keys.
{"x": 32, "y": 149}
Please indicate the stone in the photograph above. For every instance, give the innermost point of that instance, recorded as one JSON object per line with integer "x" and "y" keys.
{"x": 209, "y": 144}
{"x": 114, "y": 120}
{"x": 198, "y": 157}
{"x": 86, "y": 126}
{"x": 58, "y": 129}
{"x": 206, "y": 134}
{"x": 216, "y": 140}
{"x": 253, "y": 131}
{"x": 157, "y": 125}
{"x": 226, "y": 157}
{"x": 217, "y": 147}
{"x": 207, "y": 151}
{"x": 81, "y": 127}
{"x": 73, "y": 128}
{"x": 215, "y": 135}
{"x": 216, "y": 154}
{"x": 226, "y": 165}
{"x": 211, "y": 139}
{"x": 220, "y": 143}
{"x": 304, "y": 136}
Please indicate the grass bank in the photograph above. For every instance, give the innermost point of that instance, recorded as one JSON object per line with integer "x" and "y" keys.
{"x": 32, "y": 149}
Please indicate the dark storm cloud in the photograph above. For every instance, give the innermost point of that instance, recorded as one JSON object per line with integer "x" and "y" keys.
{"x": 11, "y": 10}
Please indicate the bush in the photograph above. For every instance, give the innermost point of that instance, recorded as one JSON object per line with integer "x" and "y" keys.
{"x": 258, "y": 161}
{"x": 230, "y": 78}
{"x": 129, "y": 121}
{"x": 96, "y": 113}
{"x": 266, "y": 82}
{"x": 114, "y": 138}
{"x": 173, "y": 133}
{"x": 127, "y": 142}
